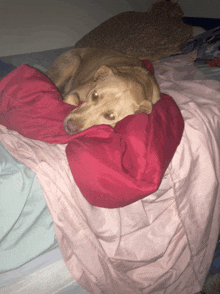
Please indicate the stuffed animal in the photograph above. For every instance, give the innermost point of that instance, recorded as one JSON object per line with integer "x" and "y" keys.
{"x": 157, "y": 33}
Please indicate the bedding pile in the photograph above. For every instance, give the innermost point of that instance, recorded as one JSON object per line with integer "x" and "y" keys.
{"x": 134, "y": 155}
{"x": 162, "y": 243}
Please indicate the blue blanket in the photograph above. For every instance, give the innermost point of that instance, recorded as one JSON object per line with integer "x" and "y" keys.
{"x": 26, "y": 227}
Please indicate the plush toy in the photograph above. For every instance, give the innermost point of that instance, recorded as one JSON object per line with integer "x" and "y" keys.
{"x": 157, "y": 33}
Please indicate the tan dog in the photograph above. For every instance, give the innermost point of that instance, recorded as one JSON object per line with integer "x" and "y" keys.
{"x": 111, "y": 85}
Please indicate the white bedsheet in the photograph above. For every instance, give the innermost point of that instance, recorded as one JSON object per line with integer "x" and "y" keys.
{"x": 162, "y": 244}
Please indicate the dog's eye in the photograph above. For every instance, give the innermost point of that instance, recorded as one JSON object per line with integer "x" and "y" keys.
{"x": 109, "y": 116}
{"x": 95, "y": 96}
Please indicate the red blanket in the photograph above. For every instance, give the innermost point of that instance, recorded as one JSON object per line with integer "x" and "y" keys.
{"x": 112, "y": 167}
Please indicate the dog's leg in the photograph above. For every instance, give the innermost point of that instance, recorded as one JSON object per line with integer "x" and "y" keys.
{"x": 64, "y": 68}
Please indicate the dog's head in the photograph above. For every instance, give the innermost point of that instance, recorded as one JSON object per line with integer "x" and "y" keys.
{"x": 112, "y": 95}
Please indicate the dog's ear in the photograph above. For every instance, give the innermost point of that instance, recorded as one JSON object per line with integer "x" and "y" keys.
{"x": 145, "y": 106}
{"x": 103, "y": 72}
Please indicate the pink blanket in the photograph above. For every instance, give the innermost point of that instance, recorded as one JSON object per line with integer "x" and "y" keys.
{"x": 161, "y": 244}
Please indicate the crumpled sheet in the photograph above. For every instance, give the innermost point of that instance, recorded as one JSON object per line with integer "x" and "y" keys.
{"x": 162, "y": 244}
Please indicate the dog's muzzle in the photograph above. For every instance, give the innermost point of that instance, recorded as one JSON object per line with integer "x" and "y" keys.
{"x": 70, "y": 127}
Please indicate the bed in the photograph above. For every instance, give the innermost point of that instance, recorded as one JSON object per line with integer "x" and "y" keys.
{"x": 162, "y": 243}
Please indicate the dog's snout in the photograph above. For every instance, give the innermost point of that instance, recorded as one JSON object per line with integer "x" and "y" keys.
{"x": 71, "y": 127}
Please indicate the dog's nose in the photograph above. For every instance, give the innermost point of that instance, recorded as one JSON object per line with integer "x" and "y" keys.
{"x": 70, "y": 127}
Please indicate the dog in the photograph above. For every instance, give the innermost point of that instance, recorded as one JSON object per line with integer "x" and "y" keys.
{"x": 110, "y": 84}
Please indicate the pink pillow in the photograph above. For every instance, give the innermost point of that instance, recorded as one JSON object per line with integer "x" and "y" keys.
{"x": 112, "y": 167}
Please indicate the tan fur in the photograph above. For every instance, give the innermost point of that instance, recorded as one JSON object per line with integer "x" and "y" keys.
{"x": 111, "y": 85}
